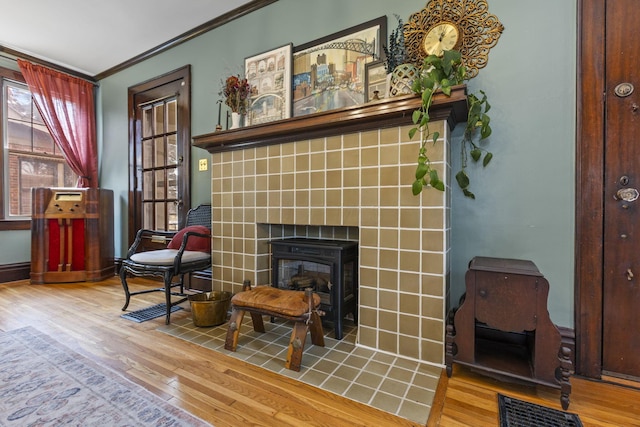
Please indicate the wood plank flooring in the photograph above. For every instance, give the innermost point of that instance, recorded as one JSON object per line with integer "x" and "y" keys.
{"x": 470, "y": 399}
{"x": 227, "y": 392}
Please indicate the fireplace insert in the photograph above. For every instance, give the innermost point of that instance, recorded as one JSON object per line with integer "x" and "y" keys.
{"x": 329, "y": 267}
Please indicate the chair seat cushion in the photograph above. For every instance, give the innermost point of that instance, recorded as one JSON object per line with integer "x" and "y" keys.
{"x": 194, "y": 243}
{"x": 274, "y": 300}
{"x": 167, "y": 256}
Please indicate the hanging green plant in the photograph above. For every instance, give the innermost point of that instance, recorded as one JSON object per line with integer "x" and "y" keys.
{"x": 442, "y": 73}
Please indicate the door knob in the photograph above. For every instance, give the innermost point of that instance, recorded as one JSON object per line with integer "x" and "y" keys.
{"x": 627, "y": 194}
{"x": 623, "y": 89}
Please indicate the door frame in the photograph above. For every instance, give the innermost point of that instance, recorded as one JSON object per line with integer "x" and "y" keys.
{"x": 184, "y": 132}
{"x": 589, "y": 198}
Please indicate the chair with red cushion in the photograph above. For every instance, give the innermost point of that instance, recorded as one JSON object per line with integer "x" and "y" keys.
{"x": 189, "y": 250}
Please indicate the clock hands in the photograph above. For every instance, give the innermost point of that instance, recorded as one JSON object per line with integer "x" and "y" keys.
{"x": 441, "y": 37}
{"x": 443, "y": 33}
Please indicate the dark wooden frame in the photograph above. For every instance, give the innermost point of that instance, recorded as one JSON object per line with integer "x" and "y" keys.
{"x": 380, "y": 22}
{"x": 589, "y": 201}
{"x": 184, "y": 107}
{"x": 369, "y": 68}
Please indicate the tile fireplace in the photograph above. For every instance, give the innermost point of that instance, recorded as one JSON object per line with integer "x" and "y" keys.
{"x": 349, "y": 172}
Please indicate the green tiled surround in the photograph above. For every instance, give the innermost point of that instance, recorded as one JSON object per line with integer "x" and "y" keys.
{"x": 357, "y": 187}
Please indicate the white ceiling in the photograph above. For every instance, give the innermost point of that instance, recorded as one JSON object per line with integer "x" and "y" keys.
{"x": 92, "y": 36}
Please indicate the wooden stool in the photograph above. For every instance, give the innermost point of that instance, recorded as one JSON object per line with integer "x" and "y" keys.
{"x": 299, "y": 306}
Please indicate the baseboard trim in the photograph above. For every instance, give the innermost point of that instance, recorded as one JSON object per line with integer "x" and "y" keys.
{"x": 13, "y": 272}
{"x": 22, "y": 271}
{"x": 199, "y": 280}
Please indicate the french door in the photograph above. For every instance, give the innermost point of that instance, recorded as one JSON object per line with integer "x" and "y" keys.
{"x": 159, "y": 153}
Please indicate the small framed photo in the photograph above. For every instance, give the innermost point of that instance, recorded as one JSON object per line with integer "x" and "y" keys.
{"x": 269, "y": 75}
{"x": 375, "y": 78}
{"x": 328, "y": 73}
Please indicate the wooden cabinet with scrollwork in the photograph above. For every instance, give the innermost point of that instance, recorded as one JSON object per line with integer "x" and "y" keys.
{"x": 502, "y": 326}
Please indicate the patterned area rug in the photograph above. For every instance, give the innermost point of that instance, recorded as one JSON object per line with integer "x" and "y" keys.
{"x": 44, "y": 383}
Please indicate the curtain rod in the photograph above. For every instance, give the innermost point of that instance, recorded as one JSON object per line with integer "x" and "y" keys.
{"x": 13, "y": 55}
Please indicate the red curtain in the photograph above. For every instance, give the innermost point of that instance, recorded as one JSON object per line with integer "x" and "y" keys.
{"x": 66, "y": 104}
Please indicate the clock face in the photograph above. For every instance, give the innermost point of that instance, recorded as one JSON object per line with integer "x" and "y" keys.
{"x": 441, "y": 37}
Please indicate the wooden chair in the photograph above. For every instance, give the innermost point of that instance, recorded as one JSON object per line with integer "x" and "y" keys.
{"x": 188, "y": 250}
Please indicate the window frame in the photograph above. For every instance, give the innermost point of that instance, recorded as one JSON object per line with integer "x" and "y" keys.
{"x": 6, "y": 223}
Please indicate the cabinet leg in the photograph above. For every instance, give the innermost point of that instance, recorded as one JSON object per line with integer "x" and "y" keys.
{"x": 565, "y": 373}
{"x": 448, "y": 353}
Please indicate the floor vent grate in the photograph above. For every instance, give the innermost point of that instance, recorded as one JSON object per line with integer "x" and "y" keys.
{"x": 149, "y": 313}
{"x": 518, "y": 413}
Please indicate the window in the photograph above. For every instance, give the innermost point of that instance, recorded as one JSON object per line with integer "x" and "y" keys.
{"x": 30, "y": 158}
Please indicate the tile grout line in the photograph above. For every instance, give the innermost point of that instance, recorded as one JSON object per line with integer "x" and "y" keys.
{"x": 189, "y": 332}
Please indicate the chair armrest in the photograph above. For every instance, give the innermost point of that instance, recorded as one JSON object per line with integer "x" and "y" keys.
{"x": 186, "y": 236}
{"x": 183, "y": 245}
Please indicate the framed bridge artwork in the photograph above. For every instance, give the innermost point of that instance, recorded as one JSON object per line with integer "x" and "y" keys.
{"x": 329, "y": 73}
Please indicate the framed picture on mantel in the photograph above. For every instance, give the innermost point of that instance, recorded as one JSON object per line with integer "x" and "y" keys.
{"x": 269, "y": 75}
{"x": 375, "y": 78}
{"x": 329, "y": 73}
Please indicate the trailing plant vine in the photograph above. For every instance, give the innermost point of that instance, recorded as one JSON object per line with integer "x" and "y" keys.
{"x": 442, "y": 73}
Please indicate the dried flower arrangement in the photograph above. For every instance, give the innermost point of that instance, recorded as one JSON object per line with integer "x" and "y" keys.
{"x": 236, "y": 91}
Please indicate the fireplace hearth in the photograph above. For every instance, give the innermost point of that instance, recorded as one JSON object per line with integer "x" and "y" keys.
{"x": 329, "y": 267}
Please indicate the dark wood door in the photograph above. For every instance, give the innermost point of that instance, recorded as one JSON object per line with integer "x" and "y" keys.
{"x": 159, "y": 169}
{"x": 621, "y": 270}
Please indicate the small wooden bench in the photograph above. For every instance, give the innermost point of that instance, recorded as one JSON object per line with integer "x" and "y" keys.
{"x": 299, "y": 306}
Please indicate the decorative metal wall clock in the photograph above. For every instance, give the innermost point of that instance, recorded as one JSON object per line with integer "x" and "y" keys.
{"x": 463, "y": 25}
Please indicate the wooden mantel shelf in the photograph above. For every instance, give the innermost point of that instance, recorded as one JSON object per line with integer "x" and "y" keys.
{"x": 393, "y": 112}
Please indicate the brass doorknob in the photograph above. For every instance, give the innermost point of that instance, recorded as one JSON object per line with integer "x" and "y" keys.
{"x": 627, "y": 194}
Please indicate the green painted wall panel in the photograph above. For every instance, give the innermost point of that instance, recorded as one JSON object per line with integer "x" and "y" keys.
{"x": 525, "y": 198}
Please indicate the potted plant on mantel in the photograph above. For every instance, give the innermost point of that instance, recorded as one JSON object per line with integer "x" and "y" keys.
{"x": 236, "y": 91}
{"x": 442, "y": 73}
{"x": 395, "y": 53}
{"x": 400, "y": 72}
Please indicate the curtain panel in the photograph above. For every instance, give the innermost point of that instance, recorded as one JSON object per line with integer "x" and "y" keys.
{"x": 66, "y": 104}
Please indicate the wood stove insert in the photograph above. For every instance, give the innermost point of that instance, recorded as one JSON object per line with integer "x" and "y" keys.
{"x": 329, "y": 267}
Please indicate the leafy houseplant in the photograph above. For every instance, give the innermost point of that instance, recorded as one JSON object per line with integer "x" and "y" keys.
{"x": 395, "y": 52}
{"x": 442, "y": 73}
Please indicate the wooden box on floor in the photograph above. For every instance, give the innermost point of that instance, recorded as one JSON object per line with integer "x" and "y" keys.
{"x": 71, "y": 235}
{"x": 503, "y": 327}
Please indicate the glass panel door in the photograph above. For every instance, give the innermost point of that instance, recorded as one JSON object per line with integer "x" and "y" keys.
{"x": 160, "y": 153}
{"x": 159, "y": 165}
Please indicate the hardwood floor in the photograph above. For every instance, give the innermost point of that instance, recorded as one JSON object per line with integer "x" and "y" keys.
{"x": 227, "y": 392}
{"x": 470, "y": 399}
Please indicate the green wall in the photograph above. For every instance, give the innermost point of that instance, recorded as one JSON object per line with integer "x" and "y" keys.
{"x": 524, "y": 205}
